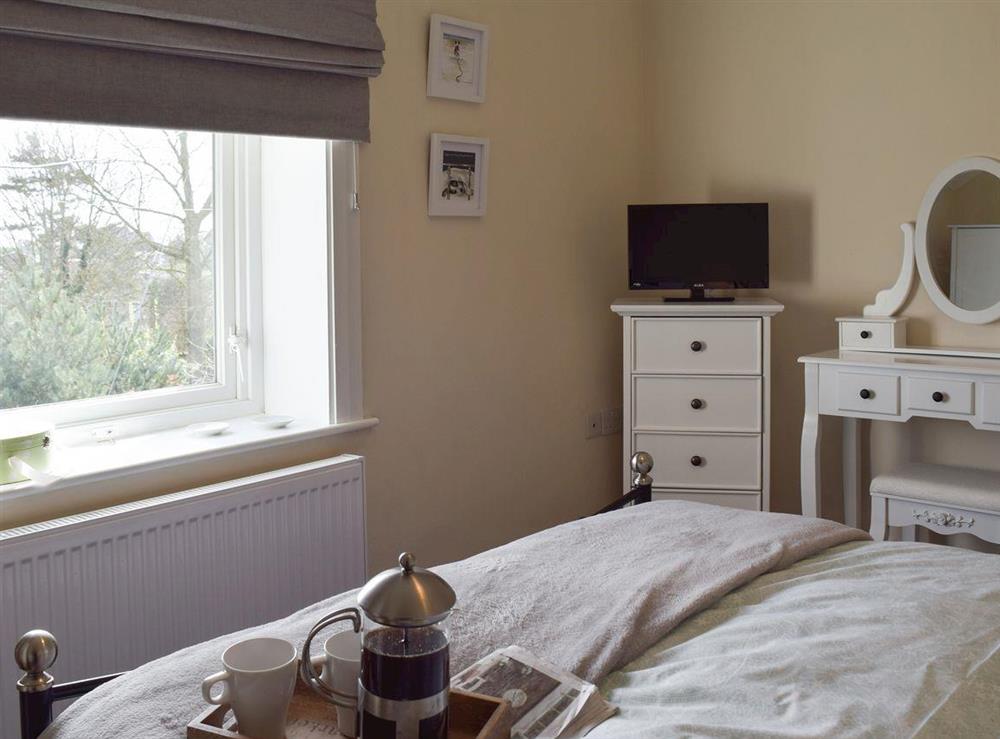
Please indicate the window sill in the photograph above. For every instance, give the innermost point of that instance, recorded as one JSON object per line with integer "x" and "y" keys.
{"x": 92, "y": 461}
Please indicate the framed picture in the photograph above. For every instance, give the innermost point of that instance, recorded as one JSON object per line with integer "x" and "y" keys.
{"x": 456, "y": 178}
{"x": 456, "y": 59}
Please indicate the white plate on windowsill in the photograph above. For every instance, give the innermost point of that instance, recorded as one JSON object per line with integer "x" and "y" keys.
{"x": 273, "y": 422}
{"x": 213, "y": 428}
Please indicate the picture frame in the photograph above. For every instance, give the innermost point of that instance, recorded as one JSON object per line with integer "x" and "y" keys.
{"x": 457, "y": 175}
{"x": 457, "y": 54}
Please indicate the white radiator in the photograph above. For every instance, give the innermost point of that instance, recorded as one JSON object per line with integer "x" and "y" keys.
{"x": 124, "y": 585}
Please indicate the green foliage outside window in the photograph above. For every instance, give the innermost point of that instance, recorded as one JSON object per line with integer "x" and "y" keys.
{"x": 106, "y": 262}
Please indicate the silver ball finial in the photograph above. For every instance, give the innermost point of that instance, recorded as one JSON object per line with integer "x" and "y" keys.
{"x": 35, "y": 652}
{"x": 406, "y": 561}
{"x": 642, "y": 465}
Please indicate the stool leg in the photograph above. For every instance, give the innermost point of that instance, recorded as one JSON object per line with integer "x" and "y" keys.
{"x": 878, "y": 528}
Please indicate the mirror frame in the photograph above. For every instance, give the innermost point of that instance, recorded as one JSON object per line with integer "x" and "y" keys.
{"x": 941, "y": 300}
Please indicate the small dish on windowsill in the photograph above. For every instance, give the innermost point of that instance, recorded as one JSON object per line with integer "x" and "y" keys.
{"x": 273, "y": 422}
{"x": 212, "y": 428}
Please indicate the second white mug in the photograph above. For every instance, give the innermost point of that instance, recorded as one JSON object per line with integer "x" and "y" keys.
{"x": 341, "y": 663}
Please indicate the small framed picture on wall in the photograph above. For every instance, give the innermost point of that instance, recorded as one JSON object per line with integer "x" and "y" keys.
{"x": 456, "y": 59}
{"x": 456, "y": 178}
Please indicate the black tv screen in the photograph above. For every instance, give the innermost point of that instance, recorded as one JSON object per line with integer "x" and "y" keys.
{"x": 698, "y": 246}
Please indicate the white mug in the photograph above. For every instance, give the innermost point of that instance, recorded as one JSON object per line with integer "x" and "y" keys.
{"x": 341, "y": 663}
{"x": 257, "y": 683}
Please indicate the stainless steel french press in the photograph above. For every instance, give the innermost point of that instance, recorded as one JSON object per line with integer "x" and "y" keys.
{"x": 404, "y": 675}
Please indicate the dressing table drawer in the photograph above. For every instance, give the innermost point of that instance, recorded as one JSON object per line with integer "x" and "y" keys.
{"x": 872, "y": 334}
{"x": 704, "y": 461}
{"x": 697, "y": 346}
{"x": 940, "y": 396}
{"x": 991, "y": 403}
{"x": 867, "y": 393}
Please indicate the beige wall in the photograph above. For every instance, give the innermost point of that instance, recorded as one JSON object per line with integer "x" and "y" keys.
{"x": 486, "y": 341}
{"x": 840, "y": 114}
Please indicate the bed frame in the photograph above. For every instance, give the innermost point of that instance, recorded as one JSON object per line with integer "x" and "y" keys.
{"x": 36, "y": 651}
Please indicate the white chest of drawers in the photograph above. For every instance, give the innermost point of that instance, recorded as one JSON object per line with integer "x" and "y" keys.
{"x": 696, "y": 380}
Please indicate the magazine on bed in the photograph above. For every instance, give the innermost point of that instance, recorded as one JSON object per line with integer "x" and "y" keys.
{"x": 546, "y": 702}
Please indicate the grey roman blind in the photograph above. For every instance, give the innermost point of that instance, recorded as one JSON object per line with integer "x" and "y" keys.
{"x": 284, "y": 67}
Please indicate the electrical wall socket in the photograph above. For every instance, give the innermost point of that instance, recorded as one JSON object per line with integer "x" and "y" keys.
{"x": 611, "y": 421}
{"x": 603, "y": 423}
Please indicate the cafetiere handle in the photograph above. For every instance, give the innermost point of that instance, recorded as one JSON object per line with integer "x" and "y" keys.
{"x": 308, "y": 672}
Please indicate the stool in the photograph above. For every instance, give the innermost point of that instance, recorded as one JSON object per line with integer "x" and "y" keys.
{"x": 948, "y": 500}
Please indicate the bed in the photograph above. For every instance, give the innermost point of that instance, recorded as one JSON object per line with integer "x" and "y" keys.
{"x": 696, "y": 621}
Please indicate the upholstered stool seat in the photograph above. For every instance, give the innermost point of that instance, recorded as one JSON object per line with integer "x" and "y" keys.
{"x": 945, "y": 499}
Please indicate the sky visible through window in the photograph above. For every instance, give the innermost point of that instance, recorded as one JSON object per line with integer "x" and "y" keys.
{"x": 107, "y": 261}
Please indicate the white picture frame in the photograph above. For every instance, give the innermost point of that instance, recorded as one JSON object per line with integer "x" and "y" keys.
{"x": 457, "y": 175}
{"x": 457, "y": 53}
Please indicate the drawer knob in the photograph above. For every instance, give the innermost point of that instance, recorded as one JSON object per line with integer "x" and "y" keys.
{"x": 697, "y": 346}
{"x": 696, "y": 461}
{"x": 866, "y": 394}
{"x": 866, "y": 334}
{"x": 697, "y": 403}
{"x": 938, "y": 396}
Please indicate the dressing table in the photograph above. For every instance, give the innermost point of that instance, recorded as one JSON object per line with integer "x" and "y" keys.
{"x": 954, "y": 247}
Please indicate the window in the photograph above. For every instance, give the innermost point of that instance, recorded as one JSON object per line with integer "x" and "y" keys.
{"x": 159, "y": 277}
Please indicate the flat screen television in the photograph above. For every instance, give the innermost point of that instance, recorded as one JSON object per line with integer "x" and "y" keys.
{"x": 698, "y": 247}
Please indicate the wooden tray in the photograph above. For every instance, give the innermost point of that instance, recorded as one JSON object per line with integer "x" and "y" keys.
{"x": 470, "y": 716}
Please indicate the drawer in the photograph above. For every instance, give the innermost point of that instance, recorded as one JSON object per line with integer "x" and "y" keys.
{"x": 868, "y": 393}
{"x": 697, "y": 346}
{"x": 711, "y": 461}
{"x": 991, "y": 403}
{"x": 745, "y": 501}
{"x": 940, "y": 396}
{"x": 873, "y": 335}
{"x": 697, "y": 403}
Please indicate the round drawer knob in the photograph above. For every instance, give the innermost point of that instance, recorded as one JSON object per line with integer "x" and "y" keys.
{"x": 697, "y": 346}
{"x": 697, "y": 461}
{"x": 866, "y": 334}
{"x": 697, "y": 403}
{"x": 938, "y": 396}
{"x": 866, "y": 394}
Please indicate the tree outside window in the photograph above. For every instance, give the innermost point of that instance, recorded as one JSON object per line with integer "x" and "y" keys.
{"x": 107, "y": 261}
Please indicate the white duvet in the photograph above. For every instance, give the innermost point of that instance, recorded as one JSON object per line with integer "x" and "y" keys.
{"x": 697, "y": 621}
{"x": 874, "y": 640}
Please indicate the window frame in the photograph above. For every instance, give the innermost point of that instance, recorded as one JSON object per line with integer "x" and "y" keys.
{"x": 239, "y": 324}
{"x": 237, "y": 389}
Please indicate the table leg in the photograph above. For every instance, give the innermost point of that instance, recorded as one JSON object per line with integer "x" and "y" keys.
{"x": 878, "y": 529}
{"x": 854, "y": 492}
{"x": 809, "y": 455}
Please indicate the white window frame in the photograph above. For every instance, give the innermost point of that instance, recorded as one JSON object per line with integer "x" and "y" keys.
{"x": 237, "y": 389}
{"x": 346, "y": 390}
{"x": 239, "y": 318}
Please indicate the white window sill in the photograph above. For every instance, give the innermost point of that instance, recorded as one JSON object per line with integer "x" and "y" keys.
{"x": 91, "y": 461}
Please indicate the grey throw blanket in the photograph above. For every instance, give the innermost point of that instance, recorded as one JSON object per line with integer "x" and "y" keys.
{"x": 589, "y": 596}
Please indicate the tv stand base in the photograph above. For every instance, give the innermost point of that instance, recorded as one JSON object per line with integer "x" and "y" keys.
{"x": 698, "y": 296}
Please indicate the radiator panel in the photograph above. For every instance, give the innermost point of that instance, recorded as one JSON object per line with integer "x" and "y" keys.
{"x": 124, "y": 585}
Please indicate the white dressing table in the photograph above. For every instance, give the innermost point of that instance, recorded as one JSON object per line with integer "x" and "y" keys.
{"x": 860, "y": 386}
{"x": 875, "y": 375}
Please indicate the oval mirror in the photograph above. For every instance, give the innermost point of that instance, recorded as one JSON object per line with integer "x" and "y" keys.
{"x": 958, "y": 240}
